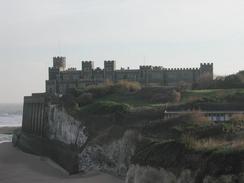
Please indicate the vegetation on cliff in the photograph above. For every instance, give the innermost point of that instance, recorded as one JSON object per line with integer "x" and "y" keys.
{"x": 190, "y": 141}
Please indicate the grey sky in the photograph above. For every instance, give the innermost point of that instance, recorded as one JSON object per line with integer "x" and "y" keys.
{"x": 170, "y": 33}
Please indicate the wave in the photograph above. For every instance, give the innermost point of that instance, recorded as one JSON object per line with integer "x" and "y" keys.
{"x": 10, "y": 115}
{"x": 11, "y": 109}
{"x": 10, "y": 120}
{"x": 5, "y": 138}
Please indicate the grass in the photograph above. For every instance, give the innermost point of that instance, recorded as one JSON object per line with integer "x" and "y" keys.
{"x": 105, "y": 107}
{"x": 130, "y": 99}
{"x": 214, "y": 94}
{"x": 209, "y": 144}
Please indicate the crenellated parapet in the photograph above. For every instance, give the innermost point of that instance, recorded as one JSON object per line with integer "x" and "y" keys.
{"x": 59, "y": 63}
{"x": 206, "y": 65}
{"x": 109, "y": 65}
{"x": 182, "y": 69}
{"x": 146, "y": 67}
{"x": 158, "y": 68}
{"x": 87, "y": 65}
{"x": 206, "y": 71}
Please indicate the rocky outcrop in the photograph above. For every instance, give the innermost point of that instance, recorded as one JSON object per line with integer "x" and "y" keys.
{"x": 140, "y": 174}
{"x": 147, "y": 174}
{"x": 65, "y": 128}
{"x": 113, "y": 158}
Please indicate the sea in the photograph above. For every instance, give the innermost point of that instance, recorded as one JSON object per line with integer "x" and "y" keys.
{"x": 10, "y": 116}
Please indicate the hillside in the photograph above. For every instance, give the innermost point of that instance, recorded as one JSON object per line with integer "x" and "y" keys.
{"x": 120, "y": 129}
{"x": 189, "y": 142}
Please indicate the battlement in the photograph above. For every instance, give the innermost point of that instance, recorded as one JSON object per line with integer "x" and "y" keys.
{"x": 87, "y": 62}
{"x": 158, "y": 68}
{"x": 109, "y": 61}
{"x": 87, "y": 65}
{"x": 109, "y": 65}
{"x": 146, "y": 67}
{"x": 182, "y": 69}
{"x": 206, "y": 64}
{"x": 59, "y": 63}
{"x": 71, "y": 69}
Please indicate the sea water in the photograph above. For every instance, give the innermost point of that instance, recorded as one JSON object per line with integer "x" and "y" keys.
{"x": 10, "y": 116}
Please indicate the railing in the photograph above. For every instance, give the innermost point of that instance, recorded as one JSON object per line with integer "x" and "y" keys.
{"x": 216, "y": 116}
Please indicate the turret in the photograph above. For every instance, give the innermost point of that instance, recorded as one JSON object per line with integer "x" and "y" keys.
{"x": 206, "y": 71}
{"x": 59, "y": 63}
{"x": 87, "y": 69}
{"x": 109, "y": 68}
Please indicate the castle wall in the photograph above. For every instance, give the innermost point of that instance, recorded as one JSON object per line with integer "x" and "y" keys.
{"x": 61, "y": 81}
{"x": 131, "y": 75}
{"x": 98, "y": 74}
{"x": 175, "y": 76}
{"x": 51, "y": 86}
{"x": 71, "y": 75}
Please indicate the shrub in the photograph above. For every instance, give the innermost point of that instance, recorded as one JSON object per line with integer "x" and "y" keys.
{"x": 107, "y": 107}
{"x": 194, "y": 122}
{"x": 175, "y": 96}
{"x": 127, "y": 86}
{"x": 108, "y": 88}
{"x": 85, "y": 98}
{"x": 235, "y": 124}
{"x": 99, "y": 90}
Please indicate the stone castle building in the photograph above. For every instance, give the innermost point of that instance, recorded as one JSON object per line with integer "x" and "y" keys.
{"x": 62, "y": 79}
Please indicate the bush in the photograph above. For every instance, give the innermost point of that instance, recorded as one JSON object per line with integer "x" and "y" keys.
{"x": 107, "y": 107}
{"x": 235, "y": 124}
{"x": 166, "y": 96}
{"x": 175, "y": 96}
{"x": 127, "y": 86}
{"x": 99, "y": 90}
{"x": 109, "y": 88}
{"x": 195, "y": 120}
{"x": 85, "y": 98}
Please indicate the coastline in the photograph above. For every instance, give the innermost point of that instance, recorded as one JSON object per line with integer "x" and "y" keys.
{"x": 37, "y": 169}
{"x": 8, "y": 130}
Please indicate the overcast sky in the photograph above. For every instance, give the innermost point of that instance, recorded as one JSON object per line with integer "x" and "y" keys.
{"x": 169, "y": 33}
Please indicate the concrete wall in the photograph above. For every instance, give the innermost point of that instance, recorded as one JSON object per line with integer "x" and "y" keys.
{"x": 34, "y": 115}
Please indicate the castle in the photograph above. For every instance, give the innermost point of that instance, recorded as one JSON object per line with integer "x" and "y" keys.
{"x": 61, "y": 79}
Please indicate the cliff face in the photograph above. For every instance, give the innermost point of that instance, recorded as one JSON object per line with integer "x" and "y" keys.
{"x": 142, "y": 174}
{"x": 113, "y": 157}
{"x": 64, "y": 128}
{"x": 129, "y": 149}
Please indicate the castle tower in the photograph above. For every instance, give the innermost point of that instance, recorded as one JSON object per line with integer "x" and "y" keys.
{"x": 206, "y": 71}
{"x": 145, "y": 73}
{"x": 87, "y": 69}
{"x": 109, "y": 68}
{"x": 59, "y": 63}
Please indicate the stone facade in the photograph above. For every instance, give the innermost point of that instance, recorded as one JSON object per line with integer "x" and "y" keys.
{"x": 62, "y": 79}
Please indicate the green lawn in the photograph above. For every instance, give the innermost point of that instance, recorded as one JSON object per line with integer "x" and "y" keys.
{"x": 211, "y": 94}
{"x": 131, "y": 99}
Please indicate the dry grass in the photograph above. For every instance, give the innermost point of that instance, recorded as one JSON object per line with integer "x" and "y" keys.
{"x": 212, "y": 144}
